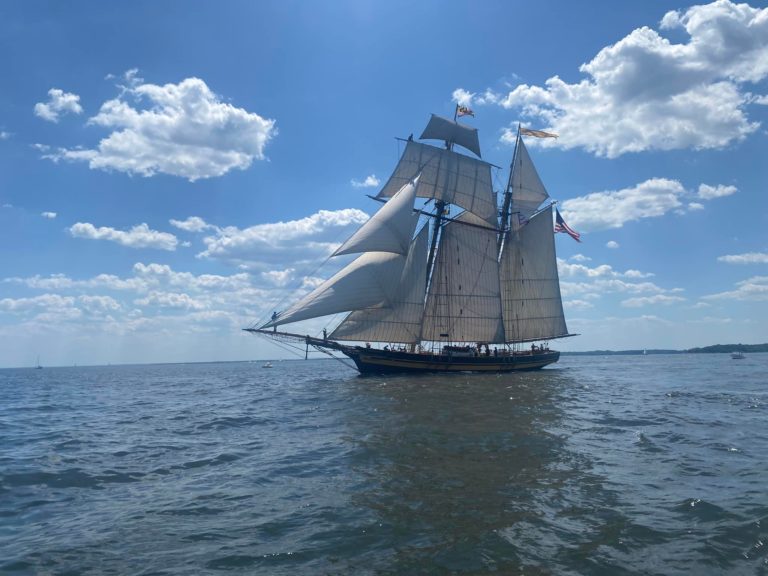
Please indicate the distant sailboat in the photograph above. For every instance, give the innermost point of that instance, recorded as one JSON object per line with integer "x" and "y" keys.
{"x": 38, "y": 366}
{"x": 737, "y": 355}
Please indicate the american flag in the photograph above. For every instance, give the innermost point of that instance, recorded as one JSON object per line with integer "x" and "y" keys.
{"x": 561, "y": 226}
{"x": 464, "y": 111}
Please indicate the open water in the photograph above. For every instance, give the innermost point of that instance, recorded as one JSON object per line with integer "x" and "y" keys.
{"x": 598, "y": 465}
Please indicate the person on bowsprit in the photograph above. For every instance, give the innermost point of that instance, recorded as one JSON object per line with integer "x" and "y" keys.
{"x": 274, "y": 317}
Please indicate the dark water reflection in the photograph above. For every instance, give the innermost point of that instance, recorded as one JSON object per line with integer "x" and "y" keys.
{"x": 471, "y": 473}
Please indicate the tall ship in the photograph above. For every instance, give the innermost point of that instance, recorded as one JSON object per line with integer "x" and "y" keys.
{"x": 445, "y": 280}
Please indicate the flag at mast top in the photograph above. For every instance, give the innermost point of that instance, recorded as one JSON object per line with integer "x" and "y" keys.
{"x": 463, "y": 111}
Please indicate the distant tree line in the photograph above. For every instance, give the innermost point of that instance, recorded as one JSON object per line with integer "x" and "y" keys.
{"x": 726, "y": 348}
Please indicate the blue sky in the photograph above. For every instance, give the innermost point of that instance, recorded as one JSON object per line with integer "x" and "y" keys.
{"x": 168, "y": 170}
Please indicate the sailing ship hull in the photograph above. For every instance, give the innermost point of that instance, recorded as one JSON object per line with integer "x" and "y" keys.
{"x": 375, "y": 361}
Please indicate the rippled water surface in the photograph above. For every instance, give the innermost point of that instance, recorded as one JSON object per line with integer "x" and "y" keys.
{"x": 598, "y": 465}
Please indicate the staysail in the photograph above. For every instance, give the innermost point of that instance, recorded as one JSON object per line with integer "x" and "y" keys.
{"x": 401, "y": 320}
{"x": 390, "y": 229}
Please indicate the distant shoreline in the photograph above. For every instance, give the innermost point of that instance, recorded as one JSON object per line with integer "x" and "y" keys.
{"x": 714, "y": 349}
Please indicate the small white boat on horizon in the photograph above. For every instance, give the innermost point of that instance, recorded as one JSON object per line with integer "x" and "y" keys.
{"x": 737, "y": 355}
{"x": 267, "y": 365}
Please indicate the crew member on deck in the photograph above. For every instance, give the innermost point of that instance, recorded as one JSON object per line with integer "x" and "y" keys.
{"x": 274, "y": 317}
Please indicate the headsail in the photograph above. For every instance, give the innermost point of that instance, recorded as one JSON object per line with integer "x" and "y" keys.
{"x": 401, "y": 321}
{"x": 464, "y": 302}
{"x": 390, "y": 229}
{"x": 532, "y": 305}
{"x": 370, "y": 280}
{"x": 448, "y": 176}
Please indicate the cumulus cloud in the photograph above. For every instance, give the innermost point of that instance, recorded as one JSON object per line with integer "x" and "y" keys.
{"x": 653, "y": 93}
{"x": 708, "y": 192}
{"x": 182, "y": 129}
{"x": 59, "y": 103}
{"x": 612, "y": 244}
{"x": 606, "y": 210}
{"x": 650, "y": 199}
{"x": 170, "y": 300}
{"x": 747, "y": 258}
{"x": 140, "y": 236}
{"x": 370, "y": 182}
{"x": 48, "y": 215}
{"x": 754, "y": 289}
{"x": 192, "y": 224}
{"x": 639, "y": 302}
{"x": 307, "y": 238}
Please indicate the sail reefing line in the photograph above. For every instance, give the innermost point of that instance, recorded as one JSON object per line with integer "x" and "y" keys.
{"x": 475, "y": 280}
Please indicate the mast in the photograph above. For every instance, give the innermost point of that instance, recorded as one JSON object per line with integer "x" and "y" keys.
{"x": 505, "y": 211}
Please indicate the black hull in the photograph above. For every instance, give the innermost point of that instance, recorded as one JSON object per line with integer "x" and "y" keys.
{"x": 375, "y": 361}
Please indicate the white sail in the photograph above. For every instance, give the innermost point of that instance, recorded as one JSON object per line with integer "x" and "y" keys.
{"x": 464, "y": 300}
{"x": 448, "y": 176}
{"x": 440, "y": 128}
{"x": 533, "y": 309}
{"x": 390, "y": 229}
{"x": 370, "y": 280}
{"x": 401, "y": 321}
{"x": 528, "y": 192}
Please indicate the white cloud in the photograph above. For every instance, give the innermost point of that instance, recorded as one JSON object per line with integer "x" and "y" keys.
{"x": 284, "y": 242}
{"x": 761, "y": 100}
{"x": 605, "y": 210}
{"x": 46, "y": 301}
{"x": 193, "y": 224}
{"x": 653, "y": 93}
{"x": 139, "y": 236}
{"x": 59, "y": 103}
{"x": 753, "y": 289}
{"x": 179, "y": 129}
{"x": 279, "y": 277}
{"x": 694, "y": 206}
{"x": 708, "y": 192}
{"x": 48, "y": 215}
{"x": 170, "y": 300}
{"x": 650, "y": 300}
{"x": 747, "y": 258}
{"x": 580, "y": 258}
{"x": 4, "y": 135}
{"x": 369, "y": 182}
{"x": 99, "y": 304}
{"x": 612, "y": 244}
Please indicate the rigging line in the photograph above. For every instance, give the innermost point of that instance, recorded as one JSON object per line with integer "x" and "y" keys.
{"x": 328, "y": 353}
{"x": 292, "y": 291}
{"x": 444, "y": 218}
